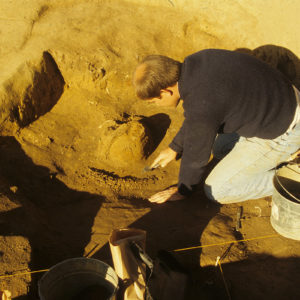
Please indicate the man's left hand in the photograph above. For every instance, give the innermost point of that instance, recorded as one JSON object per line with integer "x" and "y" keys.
{"x": 170, "y": 194}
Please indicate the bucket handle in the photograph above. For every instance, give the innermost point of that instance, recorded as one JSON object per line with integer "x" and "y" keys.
{"x": 281, "y": 185}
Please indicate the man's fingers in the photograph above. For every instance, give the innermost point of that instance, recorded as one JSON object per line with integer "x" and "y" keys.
{"x": 160, "y": 197}
{"x": 156, "y": 163}
{"x": 159, "y": 162}
{"x": 164, "y": 158}
{"x": 170, "y": 194}
{"x": 159, "y": 200}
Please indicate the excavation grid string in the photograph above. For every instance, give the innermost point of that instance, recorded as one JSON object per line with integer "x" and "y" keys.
{"x": 24, "y": 273}
{"x": 229, "y": 242}
{"x": 224, "y": 281}
{"x": 177, "y": 250}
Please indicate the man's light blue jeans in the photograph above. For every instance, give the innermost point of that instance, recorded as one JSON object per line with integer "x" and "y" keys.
{"x": 247, "y": 171}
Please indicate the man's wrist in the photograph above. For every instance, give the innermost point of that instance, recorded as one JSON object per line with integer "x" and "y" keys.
{"x": 184, "y": 190}
{"x": 175, "y": 148}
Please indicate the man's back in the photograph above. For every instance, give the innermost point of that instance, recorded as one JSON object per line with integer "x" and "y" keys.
{"x": 237, "y": 92}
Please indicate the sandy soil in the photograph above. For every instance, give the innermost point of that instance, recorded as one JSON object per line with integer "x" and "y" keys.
{"x": 75, "y": 139}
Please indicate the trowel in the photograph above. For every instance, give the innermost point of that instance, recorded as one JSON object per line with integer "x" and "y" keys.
{"x": 148, "y": 168}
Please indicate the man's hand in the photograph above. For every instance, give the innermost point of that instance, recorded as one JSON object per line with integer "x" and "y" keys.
{"x": 164, "y": 158}
{"x": 170, "y": 194}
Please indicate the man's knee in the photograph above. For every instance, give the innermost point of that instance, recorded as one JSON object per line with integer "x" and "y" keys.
{"x": 208, "y": 189}
{"x": 217, "y": 194}
{"x": 216, "y": 186}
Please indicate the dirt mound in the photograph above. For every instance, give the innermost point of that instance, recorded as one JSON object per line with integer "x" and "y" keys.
{"x": 124, "y": 143}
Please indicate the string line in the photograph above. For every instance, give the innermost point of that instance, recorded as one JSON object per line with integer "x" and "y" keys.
{"x": 177, "y": 250}
{"x": 226, "y": 287}
{"x": 24, "y": 273}
{"x": 229, "y": 242}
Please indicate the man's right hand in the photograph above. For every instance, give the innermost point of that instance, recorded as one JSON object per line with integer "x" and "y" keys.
{"x": 164, "y": 157}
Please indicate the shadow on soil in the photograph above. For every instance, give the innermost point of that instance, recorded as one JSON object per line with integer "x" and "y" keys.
{"x": 258, "y": 277}
{"x": 158, "y": 125}
{"x": 56, "y": 220}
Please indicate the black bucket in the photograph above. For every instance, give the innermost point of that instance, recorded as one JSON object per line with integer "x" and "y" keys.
{"x": 79, "y": 278}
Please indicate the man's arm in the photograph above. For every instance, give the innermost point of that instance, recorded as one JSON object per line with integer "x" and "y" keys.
{"x": 197, "y": 144}
{"x": 175, "y": 148}
{"x": 177, "y": 142}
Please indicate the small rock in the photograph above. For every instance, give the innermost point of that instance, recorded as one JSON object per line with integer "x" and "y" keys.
{"x": 14, "y": 189}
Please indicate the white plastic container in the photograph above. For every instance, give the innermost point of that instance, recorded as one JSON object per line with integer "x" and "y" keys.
{"x": 285, "y": 212}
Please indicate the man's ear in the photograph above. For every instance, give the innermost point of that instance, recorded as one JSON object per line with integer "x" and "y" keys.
{"x": 166, "y": 91}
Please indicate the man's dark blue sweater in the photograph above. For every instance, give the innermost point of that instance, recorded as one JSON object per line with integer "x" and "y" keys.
{"x": 224, "y": 92}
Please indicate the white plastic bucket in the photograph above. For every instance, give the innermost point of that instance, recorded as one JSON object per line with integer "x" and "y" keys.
{"x": 79, "y": 278}
{"x": 285, "y": 212}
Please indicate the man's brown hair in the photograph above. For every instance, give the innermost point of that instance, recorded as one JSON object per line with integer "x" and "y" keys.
{"x": 154, "y": 73}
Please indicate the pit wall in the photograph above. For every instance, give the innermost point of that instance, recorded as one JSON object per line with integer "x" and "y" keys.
{"x": 248, "y": 23}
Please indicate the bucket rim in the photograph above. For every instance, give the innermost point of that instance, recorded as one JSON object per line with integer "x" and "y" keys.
{"x": 77, "y": 259}
{"x": 113, "y": 273}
